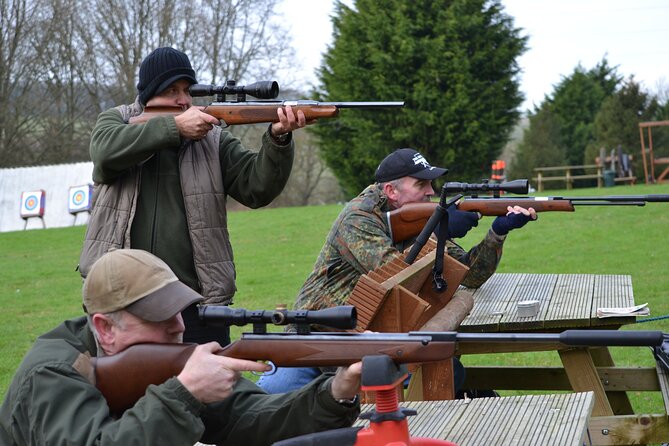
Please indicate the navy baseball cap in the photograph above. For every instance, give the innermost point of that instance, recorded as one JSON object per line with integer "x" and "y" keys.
{"x": 406, "y": 163}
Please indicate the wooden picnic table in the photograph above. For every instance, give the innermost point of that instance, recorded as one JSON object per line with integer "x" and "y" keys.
{"x": 558, "y": 419}
{"x": 567, "y": 301}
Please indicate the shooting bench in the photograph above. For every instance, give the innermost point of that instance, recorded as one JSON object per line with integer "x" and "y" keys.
{"x": 526, "y": 420}
{"x": 397, "y": 297}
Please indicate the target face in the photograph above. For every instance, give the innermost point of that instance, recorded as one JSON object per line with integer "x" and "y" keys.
{"x": 32, "y": 204}
{"x": 80, "y": 198}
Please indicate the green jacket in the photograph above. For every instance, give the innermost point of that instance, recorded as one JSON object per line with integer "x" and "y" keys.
{"x": 158, "y": 192}
{"x": 51, "y": 402}
{"x": 359, "y": 241}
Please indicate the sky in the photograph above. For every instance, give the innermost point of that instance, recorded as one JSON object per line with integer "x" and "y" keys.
{"x": 632, "y": 34}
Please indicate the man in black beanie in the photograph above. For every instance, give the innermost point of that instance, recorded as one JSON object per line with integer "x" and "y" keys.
{"x": 162, "y": 186}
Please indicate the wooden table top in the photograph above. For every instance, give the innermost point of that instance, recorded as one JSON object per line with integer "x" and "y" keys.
{"x": 565, "y": 301}
{"x": 556, "y": 419}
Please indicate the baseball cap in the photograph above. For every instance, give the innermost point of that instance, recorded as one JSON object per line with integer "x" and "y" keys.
{"x": 138, "y": 282}
{"x": 160, "y": 69}
{"x": 406, "y": 163}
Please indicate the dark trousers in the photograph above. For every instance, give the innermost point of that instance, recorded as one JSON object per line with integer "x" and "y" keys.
{"x": 197, "y": 332}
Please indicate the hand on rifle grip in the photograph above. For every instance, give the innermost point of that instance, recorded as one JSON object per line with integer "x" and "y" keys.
{"x": 460, "y": 222}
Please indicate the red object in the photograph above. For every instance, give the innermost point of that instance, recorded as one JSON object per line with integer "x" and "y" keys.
{"x": 498, "y": 167}
{"x": 384, "y": 431}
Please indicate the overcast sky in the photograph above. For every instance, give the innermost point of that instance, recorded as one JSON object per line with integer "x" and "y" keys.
{"x": 632, "y": 34}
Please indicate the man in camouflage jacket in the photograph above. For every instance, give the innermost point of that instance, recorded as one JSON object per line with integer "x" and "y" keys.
{"x": 360, "y": 241}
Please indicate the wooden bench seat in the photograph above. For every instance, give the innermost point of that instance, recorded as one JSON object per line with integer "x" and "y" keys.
{"x": 525, "y": 420}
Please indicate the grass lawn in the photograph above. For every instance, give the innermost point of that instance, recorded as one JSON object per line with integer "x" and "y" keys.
{"x": 276, "y": 248}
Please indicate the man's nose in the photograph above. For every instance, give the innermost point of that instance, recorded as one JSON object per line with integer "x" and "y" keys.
{"x": 184, "y": 98}
{"x": 176, "y": 324}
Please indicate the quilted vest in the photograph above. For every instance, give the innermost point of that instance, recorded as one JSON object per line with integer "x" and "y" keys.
{"x": 113, "y": 210}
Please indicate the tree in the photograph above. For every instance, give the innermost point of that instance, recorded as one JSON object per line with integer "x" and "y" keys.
{"x": 454, "y": 64}
{"x": 64, "y": 61}
{"x": 617, "y": 121}
{"x": 575, "y": 102}
{"x": 541, "y": 145}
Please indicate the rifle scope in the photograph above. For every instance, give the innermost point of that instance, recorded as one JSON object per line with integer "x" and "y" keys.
{"x": 342, "y": 317}
{"x": 260, "y": 90}
{"x": 515, "y": 187}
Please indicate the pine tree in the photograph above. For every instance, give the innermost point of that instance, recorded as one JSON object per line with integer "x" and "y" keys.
{"x": 454, "y": 64}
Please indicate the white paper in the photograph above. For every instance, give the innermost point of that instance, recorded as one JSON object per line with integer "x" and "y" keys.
{"x": 638, "y": 310}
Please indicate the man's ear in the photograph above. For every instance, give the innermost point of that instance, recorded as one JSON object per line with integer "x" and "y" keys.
{"x": 104, "y": 328}
{"x": 390, "y": 191}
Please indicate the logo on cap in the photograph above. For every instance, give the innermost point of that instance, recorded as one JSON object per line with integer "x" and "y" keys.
{"x": 420, "y": 159}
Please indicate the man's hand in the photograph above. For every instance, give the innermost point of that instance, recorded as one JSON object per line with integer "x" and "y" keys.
{"x": 288, "y": 121}
{"x": 195, "y": 124}
{"x": 211, "y": 377}
{"x": 516, "y": 217}
{"x": 460, "y": 222}
{"x": 346, "y": 383}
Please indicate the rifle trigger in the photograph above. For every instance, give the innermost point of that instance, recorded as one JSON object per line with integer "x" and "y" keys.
{"x": 272, "y": 371}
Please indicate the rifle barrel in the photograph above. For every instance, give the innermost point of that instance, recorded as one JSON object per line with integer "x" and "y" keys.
{"x": 365, "y": 104}
{"x": 652, "y": 198}
{"x": 394, "y": 104}
{"x": 568, "y": 337}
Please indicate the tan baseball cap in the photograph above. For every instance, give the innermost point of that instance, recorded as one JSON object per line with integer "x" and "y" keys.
{"x": 138, "y": 282}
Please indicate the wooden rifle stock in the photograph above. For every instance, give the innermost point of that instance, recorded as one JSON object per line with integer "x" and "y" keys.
{"x": 124, "y": 377}
{"x": 234, "y": 113}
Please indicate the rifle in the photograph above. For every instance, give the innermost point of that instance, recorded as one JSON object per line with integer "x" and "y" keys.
{"x": 408, "y": 221}
{"x": 240, "y": 111}
{"x": 124, "y": 377}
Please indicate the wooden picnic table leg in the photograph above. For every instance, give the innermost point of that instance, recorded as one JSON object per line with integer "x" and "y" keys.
{"x": 432, "y": 382}
{"x": 620, "y": 402}
{"x": 583, "y": 377}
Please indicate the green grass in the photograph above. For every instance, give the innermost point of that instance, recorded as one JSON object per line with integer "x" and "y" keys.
{"x": 276, "y": 248}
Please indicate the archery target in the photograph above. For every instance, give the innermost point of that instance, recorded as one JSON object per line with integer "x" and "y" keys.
{"x": 80, "y": 198}
{"x": 32, "y": 204}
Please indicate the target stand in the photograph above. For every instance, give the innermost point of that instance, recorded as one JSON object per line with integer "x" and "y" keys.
{"x": 32, "y": 205}
{"x": 79, "y": 200}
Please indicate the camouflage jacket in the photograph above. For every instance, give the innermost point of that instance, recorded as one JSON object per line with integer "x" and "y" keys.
{"x": 359, "y": 241}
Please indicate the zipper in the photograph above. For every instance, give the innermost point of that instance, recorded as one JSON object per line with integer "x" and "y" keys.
{"x": 155, "y": 205}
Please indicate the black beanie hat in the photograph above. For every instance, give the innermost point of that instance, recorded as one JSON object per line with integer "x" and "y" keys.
{"x": 160, "y": 69}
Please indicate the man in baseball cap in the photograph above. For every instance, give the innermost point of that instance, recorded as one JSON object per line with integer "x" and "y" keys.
{"x": 407, "y": 163}
{"x": 360, "y": 241}
{"x": 138, "y": 282}
{"x": 132, "y": 297}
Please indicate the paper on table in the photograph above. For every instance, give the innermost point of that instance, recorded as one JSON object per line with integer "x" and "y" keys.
{"x": 638, "y": 310}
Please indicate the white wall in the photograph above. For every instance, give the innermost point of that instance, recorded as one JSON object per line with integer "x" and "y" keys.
{"x": 56, "y": 181}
